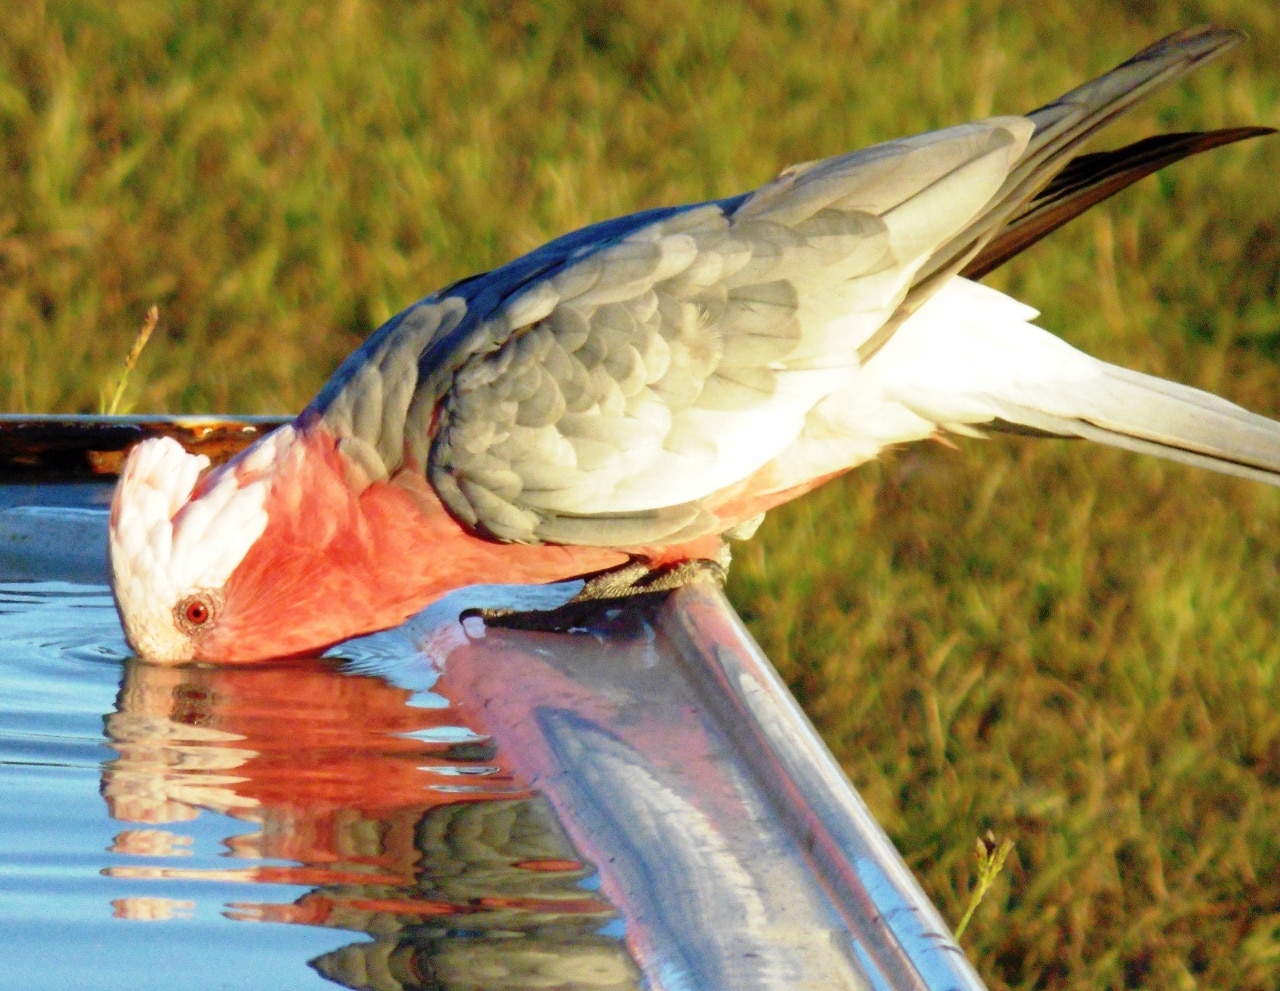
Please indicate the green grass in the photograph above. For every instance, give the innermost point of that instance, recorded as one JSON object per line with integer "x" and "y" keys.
{"x": 1071, "y": 647}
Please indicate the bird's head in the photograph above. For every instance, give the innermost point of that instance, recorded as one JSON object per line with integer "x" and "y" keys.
{"x": 286, "y": 550}
{"x": 177, "y": 534}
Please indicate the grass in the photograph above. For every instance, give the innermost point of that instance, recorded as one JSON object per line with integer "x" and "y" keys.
{"x": 131, "y": 361}
{"x": 991, "y": 858}
{"x": 1071, "y": 647}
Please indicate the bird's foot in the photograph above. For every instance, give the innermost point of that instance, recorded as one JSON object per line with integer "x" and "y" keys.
{"x": 637, "y": 578}
{"x": 600, "y": 596}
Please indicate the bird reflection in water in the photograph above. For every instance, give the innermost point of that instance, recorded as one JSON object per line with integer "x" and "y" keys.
{"x": 463, "y": 877}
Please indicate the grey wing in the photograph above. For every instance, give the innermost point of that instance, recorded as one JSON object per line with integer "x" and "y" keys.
{"x": 608, "y": 399}
{"x": 1060, "y": 128}
{"x": 600, "y": 389}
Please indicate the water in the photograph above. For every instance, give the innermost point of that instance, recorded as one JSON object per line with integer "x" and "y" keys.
{"x": 75, "y": 902}
{"x": 637, "y": 804}
{"x": 257, "y": 827}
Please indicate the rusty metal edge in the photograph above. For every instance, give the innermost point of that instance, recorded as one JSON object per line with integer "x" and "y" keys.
{"x": 67, "y": 448}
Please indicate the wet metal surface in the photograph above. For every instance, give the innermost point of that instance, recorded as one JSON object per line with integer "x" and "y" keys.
{"x": 638, "y": 804}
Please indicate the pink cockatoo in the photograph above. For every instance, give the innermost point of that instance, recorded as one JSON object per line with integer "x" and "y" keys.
{"x": 617, "y": 401}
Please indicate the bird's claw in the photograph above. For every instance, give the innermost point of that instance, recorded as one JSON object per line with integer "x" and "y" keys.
{"x": 599, "y": 599}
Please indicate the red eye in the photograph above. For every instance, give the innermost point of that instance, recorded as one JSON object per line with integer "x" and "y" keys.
{"x": 195, "y": 612}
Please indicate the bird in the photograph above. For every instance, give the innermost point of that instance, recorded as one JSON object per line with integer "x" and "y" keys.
{"x": 615, "y": 405}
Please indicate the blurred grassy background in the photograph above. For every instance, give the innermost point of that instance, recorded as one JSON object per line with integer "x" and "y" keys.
{"x": 1072, "y": 647}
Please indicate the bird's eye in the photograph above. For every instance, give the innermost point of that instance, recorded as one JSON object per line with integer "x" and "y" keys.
{"x": 195, "y": 612}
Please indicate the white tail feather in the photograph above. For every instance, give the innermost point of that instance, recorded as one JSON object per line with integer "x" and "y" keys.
{"x": 971, "y": 357}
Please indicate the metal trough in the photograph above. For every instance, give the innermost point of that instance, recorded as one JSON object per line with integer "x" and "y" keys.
{"x": 636, "y": 804}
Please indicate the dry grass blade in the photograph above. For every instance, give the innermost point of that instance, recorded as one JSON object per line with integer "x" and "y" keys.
{"x": 991, "y": 857}
{"x": 135, "y": 352}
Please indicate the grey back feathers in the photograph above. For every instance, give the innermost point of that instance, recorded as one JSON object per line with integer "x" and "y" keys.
{"x": 638, "y": 380}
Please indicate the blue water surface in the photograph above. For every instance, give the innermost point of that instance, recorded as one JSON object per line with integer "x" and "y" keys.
{"x": 284, "y": 826}
{"x": 60, "y": 910}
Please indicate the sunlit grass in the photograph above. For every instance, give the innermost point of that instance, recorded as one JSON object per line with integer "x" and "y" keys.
{"x": 1074, "y": 648}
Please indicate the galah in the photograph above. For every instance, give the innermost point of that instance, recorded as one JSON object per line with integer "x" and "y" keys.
{"x": 616, "y": 402}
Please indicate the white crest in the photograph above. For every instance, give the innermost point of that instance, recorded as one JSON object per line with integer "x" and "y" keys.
{"x": 166, "y": 545}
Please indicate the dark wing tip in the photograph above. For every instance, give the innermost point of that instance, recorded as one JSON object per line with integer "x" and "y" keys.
{"x": 1199, "y": 41}
{"x": 1088, "y": 180}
